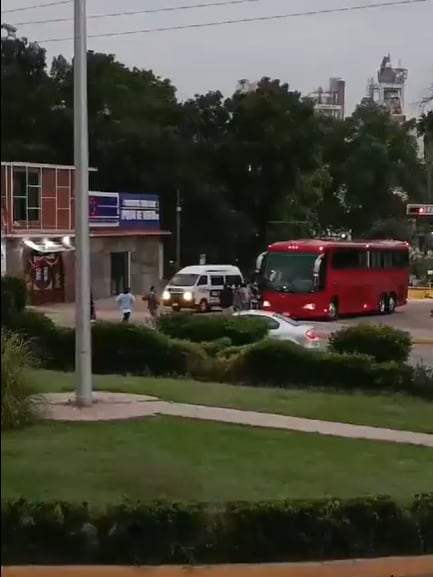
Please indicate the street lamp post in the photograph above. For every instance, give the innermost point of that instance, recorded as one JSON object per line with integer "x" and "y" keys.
{"x": 83, "y": 352}
{"x": 178, "y": 225}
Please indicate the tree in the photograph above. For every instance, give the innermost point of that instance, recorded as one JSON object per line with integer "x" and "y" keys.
{"x": 26, "y": 100}
{"x": 374, "y": 167}
{"x": 270, "y": 154}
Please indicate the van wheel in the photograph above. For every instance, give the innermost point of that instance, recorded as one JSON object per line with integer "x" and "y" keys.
{"x": 333, "y": 310}
{"x": 390, "y": 304}
{"x": 203, "y": 306}
{"x": 381, "y": 307}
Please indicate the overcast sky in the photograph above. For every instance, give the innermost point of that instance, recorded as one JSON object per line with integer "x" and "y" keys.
{"x": 303, "y": 51}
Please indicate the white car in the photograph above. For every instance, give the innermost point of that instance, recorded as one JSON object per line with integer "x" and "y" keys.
{"x": 285, "y": 329}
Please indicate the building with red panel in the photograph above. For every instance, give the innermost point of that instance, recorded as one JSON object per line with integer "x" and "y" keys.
{"x": 126, "y": 242}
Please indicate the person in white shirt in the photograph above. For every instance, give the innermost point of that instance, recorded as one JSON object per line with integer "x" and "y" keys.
{"x": 125, "y": 300}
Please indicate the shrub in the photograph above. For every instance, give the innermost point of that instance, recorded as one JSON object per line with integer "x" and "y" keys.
{"x": 285, "y": 364}
{"x": 171, "y": 533}
{"x": 39, "y": 330}
{"x": 16, "y": 289}
{"x": 127, "y": 348}
{"x": 17, "y": 404}
{"x": 216, "y": 347}
{"x": 383, "y": 343}
{"x": 200, "y": 328}
{"x": 422, "y": 381}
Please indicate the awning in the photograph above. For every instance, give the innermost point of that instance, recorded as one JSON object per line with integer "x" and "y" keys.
{"x": 50, "y": 245}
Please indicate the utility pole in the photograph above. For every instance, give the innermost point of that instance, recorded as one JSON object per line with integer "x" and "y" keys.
{"x": 83, "y": 344}
{"x": 178, "y": 225}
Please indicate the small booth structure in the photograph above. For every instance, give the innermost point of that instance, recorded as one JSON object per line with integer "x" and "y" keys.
{"x": 126, "y": 242}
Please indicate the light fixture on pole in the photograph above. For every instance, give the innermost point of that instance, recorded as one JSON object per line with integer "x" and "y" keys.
{"x": 83, "y": 346}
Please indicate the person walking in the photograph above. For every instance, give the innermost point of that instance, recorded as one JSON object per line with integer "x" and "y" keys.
{"x": 152, "y": 304}
{"x": 226, "y": 299}
{"x": 125, "y": 301}
{"x": 244, "y": 297}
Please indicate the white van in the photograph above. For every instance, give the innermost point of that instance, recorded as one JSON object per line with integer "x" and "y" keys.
{"x": 198, "y": 287}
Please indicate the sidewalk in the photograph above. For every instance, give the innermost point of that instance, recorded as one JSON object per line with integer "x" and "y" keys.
{"x": 383, "y": 567}
{"x": 119, "y": 406}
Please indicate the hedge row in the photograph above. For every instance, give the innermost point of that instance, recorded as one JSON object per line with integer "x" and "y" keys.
{"x": 279, "y": 363}
{"x": 136, "y": 349}
{"x": 13, "y": 296}
{"x": 202, "y": 328}
{"x": 381, "y": 342}
{"x": 163, "y": 533}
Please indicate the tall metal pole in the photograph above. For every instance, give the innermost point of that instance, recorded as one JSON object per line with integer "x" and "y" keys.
{"x": 178, "y": 225}
{"x": 83, "y": 352}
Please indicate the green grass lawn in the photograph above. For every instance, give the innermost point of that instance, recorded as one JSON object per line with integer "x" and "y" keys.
{"x": 393, "y": 411}
{"x": 183, "y": 459}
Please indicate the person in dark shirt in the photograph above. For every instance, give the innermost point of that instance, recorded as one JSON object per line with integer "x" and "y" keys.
{"x": 226, "y": 299}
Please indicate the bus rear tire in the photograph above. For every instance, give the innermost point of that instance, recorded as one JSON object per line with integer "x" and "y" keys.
{"x": 333, "y": 310}
{"x": 391, "y": 304}
{"x": 382, "y": 305}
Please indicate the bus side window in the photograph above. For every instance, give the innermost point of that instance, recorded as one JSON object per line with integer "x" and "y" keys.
{"x": 349, "y": 258}
{"x": 400, "y": 258}
{"x": 376, "y": 259}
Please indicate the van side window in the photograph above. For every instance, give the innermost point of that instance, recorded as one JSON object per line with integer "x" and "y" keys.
{"x": 202, "y": 280}
{"x": 233, "y": 279}
{"x": 216, "y": 280}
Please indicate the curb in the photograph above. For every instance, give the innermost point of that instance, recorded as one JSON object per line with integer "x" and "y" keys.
{"x": 421, "y": 341}
{"x": 396, "y": 566}
{"x": 420, "y": 293}
{"x": 415, "y": 341}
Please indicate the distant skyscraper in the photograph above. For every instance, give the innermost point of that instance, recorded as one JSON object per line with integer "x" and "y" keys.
{"x": 330, "y": 102}
{"x": 388, "y": 91}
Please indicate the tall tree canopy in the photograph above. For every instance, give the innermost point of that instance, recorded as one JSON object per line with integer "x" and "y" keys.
{"x": 249, "y": 168}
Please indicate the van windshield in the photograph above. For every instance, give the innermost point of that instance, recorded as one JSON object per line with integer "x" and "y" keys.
{"x": 183, "y": 280}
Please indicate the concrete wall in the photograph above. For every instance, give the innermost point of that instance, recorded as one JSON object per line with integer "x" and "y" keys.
{"x": 145, "y": 262}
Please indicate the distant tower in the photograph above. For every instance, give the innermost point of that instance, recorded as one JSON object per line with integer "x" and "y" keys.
{"x": 330, "y": 102}
{"x": 389, "y": 89}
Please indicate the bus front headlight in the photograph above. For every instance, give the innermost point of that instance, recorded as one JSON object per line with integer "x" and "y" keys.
{"x": 187, "y": 296}
{"x": 165, "y": 296}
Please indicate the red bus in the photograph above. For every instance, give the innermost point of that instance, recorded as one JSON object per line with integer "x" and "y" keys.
{"x": 325, "y": 279}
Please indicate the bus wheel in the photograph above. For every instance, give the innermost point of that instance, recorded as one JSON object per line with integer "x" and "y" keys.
{"x": 333, "y": 311}
{"x": 390, "y": 305}
{"x": 381, "y": 307}
{"x": 203, "y": 306}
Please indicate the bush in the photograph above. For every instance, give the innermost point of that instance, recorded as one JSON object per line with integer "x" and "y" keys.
{"x": 17, "y": 403}
{"x": 422, "y": 381}
{"x": 200, "y": 328}
{"x": 127, "y": 348}
{"x": 167, "y": 533}
{"x": 383, "y": 343}
{"x": 285, "y": 364}
{"x": 13, "y": 296}
{"x": 216, "y": 347}
{"x": 40, "y": 331}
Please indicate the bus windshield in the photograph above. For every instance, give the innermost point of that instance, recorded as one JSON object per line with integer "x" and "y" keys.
{"x": 289, "y": 272}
